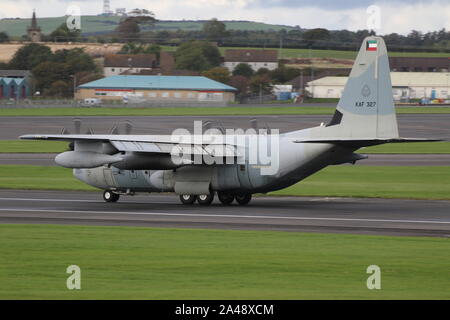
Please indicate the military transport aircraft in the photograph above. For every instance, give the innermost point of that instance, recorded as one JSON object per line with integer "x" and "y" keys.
{"x": 198, "y": 166}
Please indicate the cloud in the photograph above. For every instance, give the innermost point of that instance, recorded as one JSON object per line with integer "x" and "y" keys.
{"x": 327, "y": 4}
{"x": 399, "y": 16}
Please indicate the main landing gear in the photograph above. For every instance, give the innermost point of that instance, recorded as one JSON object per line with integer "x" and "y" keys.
{"x": 225, "y": 198}
{"x": 110, "y": 196}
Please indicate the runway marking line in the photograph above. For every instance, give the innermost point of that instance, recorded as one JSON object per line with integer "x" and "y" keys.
{"x": 223, "y": 216}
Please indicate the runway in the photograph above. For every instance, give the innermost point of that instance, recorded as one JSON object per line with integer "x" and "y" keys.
{"x": 410, "y": 125}
{"x": 327, "y": 215}
{"x": 47, "y": 159}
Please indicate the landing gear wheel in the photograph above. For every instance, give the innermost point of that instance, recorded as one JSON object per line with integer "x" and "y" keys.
{"x": 243, "y": 198}
{"x": 205, "y": 199}
{"x": 225, "y": 197}
{"x": 187, "y": 198}
{"x": 110, "y": 196}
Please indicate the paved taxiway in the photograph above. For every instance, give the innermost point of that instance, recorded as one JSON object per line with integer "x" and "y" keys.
{"x": 340, "y": 215}
{"x": 410, "y": 125}
{"x": 47, "y": 159}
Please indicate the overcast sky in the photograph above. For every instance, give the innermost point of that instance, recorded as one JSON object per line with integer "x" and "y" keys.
{"x": 399, "y": 16}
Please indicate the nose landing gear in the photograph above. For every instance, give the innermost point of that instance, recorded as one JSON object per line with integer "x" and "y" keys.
{"x": 110, "y": 196}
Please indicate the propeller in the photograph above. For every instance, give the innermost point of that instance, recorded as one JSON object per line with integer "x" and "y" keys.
{"x": 254, "y": 124}
{"x": 77, "y": 128}
{"x": 127, "y": 128}
{"x": 213, "y": 124}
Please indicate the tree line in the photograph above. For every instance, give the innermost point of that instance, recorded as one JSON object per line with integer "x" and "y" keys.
{"x": 140, "y": 27}
{"x": 55, "y": 74}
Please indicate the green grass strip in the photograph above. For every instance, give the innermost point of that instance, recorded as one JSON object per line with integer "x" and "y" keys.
{"x": 31, "y": 146}
{"x": 39, "y": 177}
{"x": 441, "y": 147}
{"x": 343, "y": 181}
{"x": 375, "y": 182}
{"x": 159, "y": 263}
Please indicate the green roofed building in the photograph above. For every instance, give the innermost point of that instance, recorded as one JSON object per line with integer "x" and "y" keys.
{"x": 159, "y": 89}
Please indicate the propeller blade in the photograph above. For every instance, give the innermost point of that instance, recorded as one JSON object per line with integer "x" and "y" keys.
{"x": 254, "y": 124}
{"x": 77, "y": 125}
{"x": 114, "y": 130}
{"x": 128, "y": 127}
{"x": 268, "y": 130}
{"x": 221, "y": 127}
{"x": 65, "y": 131}
{"x": 206, "y": 125}
{"x": 90, "y": 131}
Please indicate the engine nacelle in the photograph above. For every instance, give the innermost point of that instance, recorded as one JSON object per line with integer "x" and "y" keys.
{"x": 85, "y": 159}
{"x": 145, "y": 161}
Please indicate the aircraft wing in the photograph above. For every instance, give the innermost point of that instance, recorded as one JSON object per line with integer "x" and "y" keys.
{"x": 351, "y": 142}
{"x": 187, "y": 144}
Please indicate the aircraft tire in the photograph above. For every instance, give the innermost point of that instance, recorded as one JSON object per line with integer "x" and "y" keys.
{"x": 110, "y": 196}
{"x": 225, "y": 197}
{"x": 205, "y": 199}
{"x": 187, "y": 198}
{"x": 243, "y": 198}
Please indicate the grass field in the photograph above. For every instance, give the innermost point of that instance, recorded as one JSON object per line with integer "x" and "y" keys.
{"x": 198, "y": 111}
{"x": 89, "y": 24}
{"x": 441, "y": 147}
{"x": 337, "y": 54}
{"x": 158, "y": 263}
{"x": 30, "y": 146}
{"x": 375, "y": 181}
{"x": 343, "y": 181}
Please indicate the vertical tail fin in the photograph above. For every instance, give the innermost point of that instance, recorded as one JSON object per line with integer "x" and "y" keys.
{"x": 366, "y": 108}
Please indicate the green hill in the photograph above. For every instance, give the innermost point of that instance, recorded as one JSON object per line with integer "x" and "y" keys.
{"x": 102, "y": 24}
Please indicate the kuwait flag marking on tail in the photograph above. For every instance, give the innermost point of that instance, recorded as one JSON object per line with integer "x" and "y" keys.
{"x": 371, "y": 45}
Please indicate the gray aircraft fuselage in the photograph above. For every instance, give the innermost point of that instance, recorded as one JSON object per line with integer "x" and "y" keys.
{"x": 296, "y": 162}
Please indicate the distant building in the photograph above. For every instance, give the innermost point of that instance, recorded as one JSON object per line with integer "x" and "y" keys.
{"x": 34, "y": 31}
{"x": 170, "y": 89}
{"x": 116, "y": 64}
{"x": 16, "y": 74}
{"x": 419, "y": 64}
{"x": 121, "y": 12}
{"x": 257, "y": 59}
{"x": 166, "y": 62}
{"x": 300, "y": 81}
{"x": 11, "y": 88}
{"x": 405, "y": 85}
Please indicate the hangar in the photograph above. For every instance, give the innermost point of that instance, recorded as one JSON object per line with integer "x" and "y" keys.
{"x": 405, "y": 85}
{"x": 13, "y": 88}
{"x": 157, "y": 89}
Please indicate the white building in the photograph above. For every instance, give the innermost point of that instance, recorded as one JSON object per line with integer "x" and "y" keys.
{"x": 412, "y": 85}
{"x": 116, "y": 64}
{"x": 255, "y": 58}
